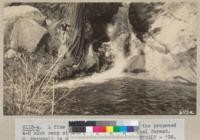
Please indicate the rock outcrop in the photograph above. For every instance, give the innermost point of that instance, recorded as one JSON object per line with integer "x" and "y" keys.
{"x": 26, "y": 35}
{"x": 161, "y": 41}
{"x": 169, "y": 37}
{"x": 13, "y": 13}
{"x": 136, "y": 63}
{"x": 178, "y": 35}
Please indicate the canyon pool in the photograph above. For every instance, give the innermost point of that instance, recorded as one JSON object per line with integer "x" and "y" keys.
{"x": 127, "y": 96}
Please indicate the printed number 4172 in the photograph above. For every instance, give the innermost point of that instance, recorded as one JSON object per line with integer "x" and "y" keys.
{"x": 186, "y": 112}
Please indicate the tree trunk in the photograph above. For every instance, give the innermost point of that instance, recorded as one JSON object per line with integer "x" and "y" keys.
{"x": 75, "y": 18}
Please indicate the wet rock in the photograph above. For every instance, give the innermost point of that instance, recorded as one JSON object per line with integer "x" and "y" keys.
{"x": 141, "y": 17}
{"x": 105, "y": 57}
{"x": 65, "y": 72}
{"x": 26, "y": 35}
{"x": 136, "y": 64}
{"x": 99, "y": 15}
{"x": 64, "y": 69}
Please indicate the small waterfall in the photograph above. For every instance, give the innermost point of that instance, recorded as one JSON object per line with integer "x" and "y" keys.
{"x": 115, "y": 72}
{"x": 120, "y": 61}
{"x": 118, "y": 34}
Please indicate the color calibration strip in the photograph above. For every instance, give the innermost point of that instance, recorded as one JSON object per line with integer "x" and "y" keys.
{"x": 103, "y": 126}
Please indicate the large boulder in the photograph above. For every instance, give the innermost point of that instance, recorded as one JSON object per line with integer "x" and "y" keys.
{"x": 13, "y": 13}
{"x": 136, "y": 63}
{"x": 26, "y": 35}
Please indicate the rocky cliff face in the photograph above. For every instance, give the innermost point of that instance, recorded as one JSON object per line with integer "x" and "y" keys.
{"x": 171, "y": 43}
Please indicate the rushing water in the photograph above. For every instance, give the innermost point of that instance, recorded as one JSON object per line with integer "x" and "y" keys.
{"x": 127, "y": 96}
{"x": 114, "y": 92}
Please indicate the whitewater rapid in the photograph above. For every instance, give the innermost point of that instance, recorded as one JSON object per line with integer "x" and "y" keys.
{"x": 120, "y": 62}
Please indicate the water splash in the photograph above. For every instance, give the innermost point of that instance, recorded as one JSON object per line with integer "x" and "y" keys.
{"x": 158, "y": 65}
{"x": 115, "y": 72}
{"x": 116, "y": 46}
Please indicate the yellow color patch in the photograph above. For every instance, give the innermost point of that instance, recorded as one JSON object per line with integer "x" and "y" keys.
{"x": 109, "y": 128}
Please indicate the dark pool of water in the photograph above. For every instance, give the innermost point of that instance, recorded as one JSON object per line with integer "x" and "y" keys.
{"x": 127, "y": 96}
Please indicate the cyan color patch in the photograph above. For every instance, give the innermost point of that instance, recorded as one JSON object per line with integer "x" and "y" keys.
{"x": 123, "y": 129}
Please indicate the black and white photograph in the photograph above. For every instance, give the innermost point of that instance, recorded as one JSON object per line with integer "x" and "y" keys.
{"x": 79, "y": 58}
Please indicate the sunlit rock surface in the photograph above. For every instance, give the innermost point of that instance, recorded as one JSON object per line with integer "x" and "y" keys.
{"x": 26, "y": 35}
{"x": 167, "y": 49}
{"x": 13, "y": 13}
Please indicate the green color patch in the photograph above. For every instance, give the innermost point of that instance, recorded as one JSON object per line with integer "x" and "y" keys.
{"x": 116, "y": 129}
